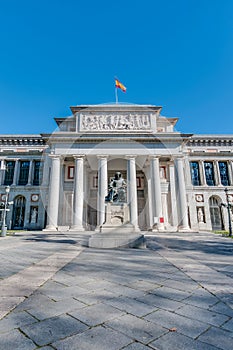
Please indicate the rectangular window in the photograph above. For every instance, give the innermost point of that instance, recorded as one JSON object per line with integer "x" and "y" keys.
{"x": 70, "y": 174}
{"x": 195, "y": 173}
{"x": 209, "y": 173}
{"x": 37, "y": 173}
{"x": 24, "y": 171}
{"x": 9, "y": 172}
{"x": 223, "y": 170}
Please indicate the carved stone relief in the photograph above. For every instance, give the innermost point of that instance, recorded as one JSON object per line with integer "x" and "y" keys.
{"x": 121, "y": 122}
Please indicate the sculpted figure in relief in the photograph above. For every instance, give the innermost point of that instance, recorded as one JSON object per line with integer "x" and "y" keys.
{"x": 115, "y": 122}
{"x": 200, "y": 215}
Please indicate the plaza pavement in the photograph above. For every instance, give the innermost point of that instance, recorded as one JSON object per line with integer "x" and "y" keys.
{"x": 175, "y": 294}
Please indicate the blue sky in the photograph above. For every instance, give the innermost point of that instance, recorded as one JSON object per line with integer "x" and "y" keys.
{"x": 173, "y": 53}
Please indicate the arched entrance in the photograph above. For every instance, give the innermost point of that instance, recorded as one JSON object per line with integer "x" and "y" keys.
{"x": 215, "y": 213}
{"x": 18, "y": 212}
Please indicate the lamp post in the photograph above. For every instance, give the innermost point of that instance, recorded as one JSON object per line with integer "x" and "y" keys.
{"x": 228, "y": 206}
{"x": 4, "y": 227}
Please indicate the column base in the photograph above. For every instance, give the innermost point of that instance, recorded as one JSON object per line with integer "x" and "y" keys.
{"x": 77, "y": 228}
{"x": 136, "y": 229}
{"x": 50, "y": 228}
{"x": 184, "y": 229}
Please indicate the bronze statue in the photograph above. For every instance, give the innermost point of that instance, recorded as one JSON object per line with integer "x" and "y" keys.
{"x": 116, "y": 189}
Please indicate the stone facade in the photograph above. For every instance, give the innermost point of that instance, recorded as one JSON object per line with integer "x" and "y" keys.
{"x": 59, "y": 181}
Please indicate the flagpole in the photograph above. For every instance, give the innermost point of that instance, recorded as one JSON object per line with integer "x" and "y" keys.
{"x": 116, "y": 95}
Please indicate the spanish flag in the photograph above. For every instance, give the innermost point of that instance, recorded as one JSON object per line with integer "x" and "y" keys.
{"x": 119, "y": 85}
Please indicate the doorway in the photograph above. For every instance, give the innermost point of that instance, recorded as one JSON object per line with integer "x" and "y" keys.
{"x": 215, "y": 213}
{"x": 18, "y": 212}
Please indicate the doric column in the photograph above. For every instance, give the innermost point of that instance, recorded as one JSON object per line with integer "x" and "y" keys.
{"x": 182, "y": 195}
{"x": 174, "y": 219}
{"x": 102, "y": 188}
{"x": 156, "y": 190}
{"x": 54, "y": 189}
{"x": 30, "y": 173}
{"x": 132, "y": 191}
{"x": 16, "y": 172}
{"x": 78, "y": 194}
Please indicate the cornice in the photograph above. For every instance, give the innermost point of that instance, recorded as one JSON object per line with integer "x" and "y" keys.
{"x": 22, "y": 140}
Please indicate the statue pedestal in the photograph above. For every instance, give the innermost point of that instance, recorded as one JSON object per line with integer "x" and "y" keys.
{"x": 117, "y": 231}
{"x": 117, "y": 217}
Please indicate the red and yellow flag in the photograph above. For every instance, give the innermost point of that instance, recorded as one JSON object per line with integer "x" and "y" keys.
{"x": 119, "y": 85}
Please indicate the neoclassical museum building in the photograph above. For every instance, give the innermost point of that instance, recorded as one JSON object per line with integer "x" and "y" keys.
{"x": 59, "y": 181}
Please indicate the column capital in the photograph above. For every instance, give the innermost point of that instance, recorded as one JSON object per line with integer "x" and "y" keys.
{"x": 129, "y": 156}
{"x": 55, "y": 156}
{"x": 179, "y": 158}
{"x": 154, "y": 156}
{"x": 102, "y": 156}
{"x": 79, "y": 156}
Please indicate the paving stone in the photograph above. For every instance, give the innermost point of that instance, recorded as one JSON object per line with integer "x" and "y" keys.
{"x": 228, "y": 326}
{"x": 137, "y": 328}
{"x": 56, "y": 308}
{"x": 220, "y": 338}
{"x": 201, "y": 298}
{"x": 226, "y": 297}
{"x": 68, "y": 280}
{"x": 126, "y": 291}
{"x": 160, "y": 302}
{"x": 176, "y": 341}
{"x": 15, "y": 340}
{"x": 35, "y": 300}
{"x": 98, "y": 338}
{"x": 136, "y": 346}
{"x": 171, "y": 293}
{"x": 57, "y": 291}
{"x": 16, "y": 320}
{"x": 95, "y": 297}
{"x": 222, "y": 308}
{"x": 131, "y": 306}
{"x": 122, "y": 279}
{"x": 96, "y": 314}
{"x": 144, "y": 285}
{"x": 183, "y": 285}
{"x": 183, "y": 324}
{"x": 202, "y": 315}
{"x": 50, "y": 330}
{"x": 100, "y": 284}
{"x": 8, "y": 303}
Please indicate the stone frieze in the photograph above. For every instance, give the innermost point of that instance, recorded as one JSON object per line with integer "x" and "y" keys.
{"x": 116, "y": 122}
